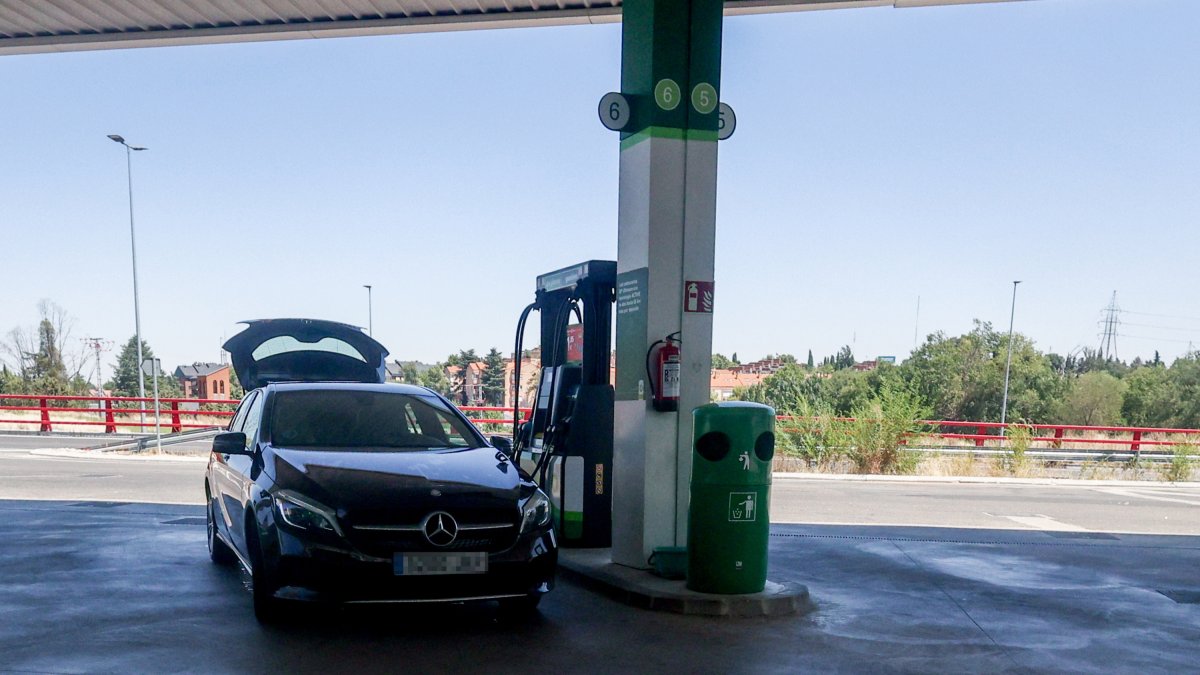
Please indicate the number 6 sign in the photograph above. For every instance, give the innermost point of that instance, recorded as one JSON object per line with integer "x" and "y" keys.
{"x": 614, "y": 111}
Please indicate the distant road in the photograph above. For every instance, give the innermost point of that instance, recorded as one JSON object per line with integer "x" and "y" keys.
{"x": 1152, "y": 509}
{"x": 24, "y": 475}
{"x": 30, "y": 441}
{"x": 35, "y": 441}
{"x": 1155, "y": 508}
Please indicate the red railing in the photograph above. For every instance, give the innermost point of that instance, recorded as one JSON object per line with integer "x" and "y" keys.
{"x": 1053, "y": 434}
{"x": 176, "y": 414}
{"x": 525, "y": 412}
{"x": 113, "y": 411}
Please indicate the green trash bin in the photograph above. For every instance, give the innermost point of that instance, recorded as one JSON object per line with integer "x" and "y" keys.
{"x": 728, "y": 520}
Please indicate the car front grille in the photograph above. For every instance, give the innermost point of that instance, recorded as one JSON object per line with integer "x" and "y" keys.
{"x": 382, "y": 540}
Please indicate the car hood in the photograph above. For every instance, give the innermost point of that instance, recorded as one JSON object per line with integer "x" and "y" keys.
{"x": 305, "y": 350}
{"x": 399, "y": 487}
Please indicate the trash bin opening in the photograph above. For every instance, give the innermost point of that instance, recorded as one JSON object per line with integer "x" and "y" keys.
{"x": 713, "y": 446}
{"x": 764, "y": 447}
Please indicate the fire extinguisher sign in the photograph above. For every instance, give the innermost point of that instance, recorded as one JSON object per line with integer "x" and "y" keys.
{"x": 698, "y": 297}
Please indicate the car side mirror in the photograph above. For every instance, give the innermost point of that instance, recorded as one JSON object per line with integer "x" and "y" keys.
{"x": 503, "y": 444}
{"x": 230, "y": 443}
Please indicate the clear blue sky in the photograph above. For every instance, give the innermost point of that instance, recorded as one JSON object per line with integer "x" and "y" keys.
{"x": 881, "y": 154}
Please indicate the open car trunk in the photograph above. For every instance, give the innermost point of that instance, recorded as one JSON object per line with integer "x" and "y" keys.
{"x": 305, "y": 350}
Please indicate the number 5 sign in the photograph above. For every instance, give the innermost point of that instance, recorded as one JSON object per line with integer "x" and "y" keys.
{"x": 726, "y": 121}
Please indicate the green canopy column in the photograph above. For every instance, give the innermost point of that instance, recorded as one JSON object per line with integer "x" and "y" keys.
{"x": 670, "y": 72}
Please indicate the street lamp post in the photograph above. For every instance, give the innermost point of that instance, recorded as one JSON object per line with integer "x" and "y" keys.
{"x": 1008, "y": 366}
{"x": 157, "y": 408}
{"x": 370, "y": 312}
{"x": 137, "y": 314}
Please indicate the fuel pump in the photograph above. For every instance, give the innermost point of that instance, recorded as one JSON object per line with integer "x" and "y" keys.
{"x": 567, "y": 443}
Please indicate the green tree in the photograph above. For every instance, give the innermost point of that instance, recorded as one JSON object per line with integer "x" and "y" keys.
{"x": 40, "y": 355}
{"x": 124, "y": 380}
{"x": 844, "y": 358}
{"x": 235, "y": 387}
{"x": 962, "y": 378}
{"x": 810, "y": 360}
{"x": 790, "y": 391}
{"x": 435, "y": 379}
{"x": 10, "y": 382}
{"x": 463, "y": 358}
{"x": 493, "y": 378}
{"x": 721, "y": 362}
{"x": 1185, "y": 381}
{"x": 845, "y": 390}
{"x": 1150, "y": 397}
{"x": 409, "y": 373}
{"x": 1095, "y": 398}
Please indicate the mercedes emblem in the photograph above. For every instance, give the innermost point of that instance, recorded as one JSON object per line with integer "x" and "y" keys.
{"x": 440, "y": 528}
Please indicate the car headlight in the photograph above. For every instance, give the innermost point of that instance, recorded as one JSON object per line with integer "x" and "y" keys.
{"x": 304, "y": 513}
{"x": 535, "y": 512}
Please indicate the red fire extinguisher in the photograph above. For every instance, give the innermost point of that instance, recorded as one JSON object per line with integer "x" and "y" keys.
{"x": 664, "y": 379}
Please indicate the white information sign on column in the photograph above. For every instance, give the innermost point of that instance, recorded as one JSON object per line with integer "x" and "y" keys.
{"x": 614, "y": 111}
{"x": 726, "y": 121}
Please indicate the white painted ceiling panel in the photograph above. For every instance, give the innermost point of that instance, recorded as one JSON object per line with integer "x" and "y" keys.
{"x": 31, "y": 26}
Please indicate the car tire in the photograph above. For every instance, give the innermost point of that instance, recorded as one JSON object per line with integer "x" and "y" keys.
{"x": 218, "y": 551}
{"x": 522, "y": 607}
{"x": 263, "y": 584}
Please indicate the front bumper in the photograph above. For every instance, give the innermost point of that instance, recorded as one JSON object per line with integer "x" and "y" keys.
{"x": 335, "y": 571}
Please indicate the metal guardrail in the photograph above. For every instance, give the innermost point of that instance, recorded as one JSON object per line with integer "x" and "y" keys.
{"x": 143, "y": 443}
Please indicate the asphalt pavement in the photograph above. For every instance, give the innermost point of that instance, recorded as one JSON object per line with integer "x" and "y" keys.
{"x": 98, "y": 575}
{"x": 103, "y": 587}
{"x": 1148, "y": 508}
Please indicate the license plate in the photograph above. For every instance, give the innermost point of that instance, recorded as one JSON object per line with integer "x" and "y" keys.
{"x": 414, "y": 564}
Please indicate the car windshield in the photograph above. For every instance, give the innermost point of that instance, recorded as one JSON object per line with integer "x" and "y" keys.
{"x": 366, "y": 419}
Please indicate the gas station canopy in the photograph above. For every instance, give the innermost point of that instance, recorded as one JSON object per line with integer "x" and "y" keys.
{"x": 38, "y": 26}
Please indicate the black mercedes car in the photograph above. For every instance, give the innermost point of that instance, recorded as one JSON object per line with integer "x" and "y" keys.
{"x": 330, "y": 484}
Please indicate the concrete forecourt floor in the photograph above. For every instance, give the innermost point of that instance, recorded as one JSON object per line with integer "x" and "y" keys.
{"x": 112, "y": 586}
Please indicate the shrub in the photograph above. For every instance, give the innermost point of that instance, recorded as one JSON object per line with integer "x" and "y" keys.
{"x": 810, "y": 435}
{"x": 1016, "y": 443}
{"x": 1183, "y": 462}
{"x": 874, "y": 439}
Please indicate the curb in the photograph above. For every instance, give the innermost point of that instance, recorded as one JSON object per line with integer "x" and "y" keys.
{"x": 592, "y": 568}
{"x": 80, "y": 453}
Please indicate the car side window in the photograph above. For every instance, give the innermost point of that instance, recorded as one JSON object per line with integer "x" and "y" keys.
{"x": 252, "y": 421}
{"x": 240, "y": 417}
{"x": 436, "y": 423}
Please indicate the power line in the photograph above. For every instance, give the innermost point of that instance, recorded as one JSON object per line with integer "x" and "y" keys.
{"x": 1161, "y": 316}
{"x": 1148, "y": 325}
{"x": 1154, "y": 339}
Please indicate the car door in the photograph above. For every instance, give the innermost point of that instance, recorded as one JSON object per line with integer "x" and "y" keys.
{"x": 226, "y": 485}
{"x": 240, "y": 468}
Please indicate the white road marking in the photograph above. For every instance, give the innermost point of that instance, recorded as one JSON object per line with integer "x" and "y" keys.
{"x": 1040, "y": 522}
{"x": 1142, "y": 495}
